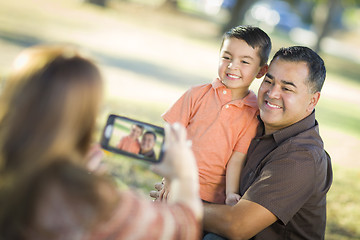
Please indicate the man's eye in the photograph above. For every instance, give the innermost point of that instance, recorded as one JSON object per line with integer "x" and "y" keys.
{"x": 267, "y": 81}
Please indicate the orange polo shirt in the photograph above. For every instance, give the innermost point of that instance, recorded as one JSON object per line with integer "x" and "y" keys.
{"x": 130, "y": 145}
{"x": 217, "y": 126}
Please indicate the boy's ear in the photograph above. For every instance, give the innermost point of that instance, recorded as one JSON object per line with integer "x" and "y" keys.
{"x": 262, "y": 71}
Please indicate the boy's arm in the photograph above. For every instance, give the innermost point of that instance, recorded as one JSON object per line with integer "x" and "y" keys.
{"x": 233, "y": 171}
{"x": 180, "y": 111}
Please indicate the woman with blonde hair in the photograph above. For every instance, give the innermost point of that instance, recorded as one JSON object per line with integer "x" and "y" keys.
{"x": 47, "y": 117}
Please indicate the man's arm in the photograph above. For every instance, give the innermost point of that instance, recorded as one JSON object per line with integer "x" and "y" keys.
{"x": 242, "y": 221}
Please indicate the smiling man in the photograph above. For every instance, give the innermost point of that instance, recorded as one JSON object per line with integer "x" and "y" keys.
{"x": 287, "y": 171}
{"x": 147, "y": 144}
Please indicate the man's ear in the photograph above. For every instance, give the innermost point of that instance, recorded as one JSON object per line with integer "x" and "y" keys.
{"x": 313, "y": 101}
{"x": 262, "y": 71}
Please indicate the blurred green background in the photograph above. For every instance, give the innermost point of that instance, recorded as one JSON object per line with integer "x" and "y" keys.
{"x": 150, "y": 52}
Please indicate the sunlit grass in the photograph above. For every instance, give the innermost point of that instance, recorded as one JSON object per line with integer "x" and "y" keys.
{"x": 340, "y": 115}
{"x": 343, "y": 209}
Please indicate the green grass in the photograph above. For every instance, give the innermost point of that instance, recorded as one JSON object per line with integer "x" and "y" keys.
{"x": 340, "y": 115}
{"x": 343, "y": 209}
{"x": 131, "y": 173}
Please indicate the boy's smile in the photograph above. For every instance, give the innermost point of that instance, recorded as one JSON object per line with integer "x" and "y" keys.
{"x": 232, "y": 76}
{"x": 239, "y": 65}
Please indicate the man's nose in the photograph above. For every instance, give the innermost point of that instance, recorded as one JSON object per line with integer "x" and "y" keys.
{"x": 274, "y": 91}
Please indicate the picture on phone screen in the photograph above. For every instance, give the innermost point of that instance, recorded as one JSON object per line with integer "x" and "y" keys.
{"x": 133, "y": 138}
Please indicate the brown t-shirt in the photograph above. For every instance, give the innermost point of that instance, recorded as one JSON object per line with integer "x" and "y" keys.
{"x": 289, "y": 173}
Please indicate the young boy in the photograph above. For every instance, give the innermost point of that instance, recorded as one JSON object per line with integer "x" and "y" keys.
{"x": 131, "y": 142}
{"x": 221, "y": 117}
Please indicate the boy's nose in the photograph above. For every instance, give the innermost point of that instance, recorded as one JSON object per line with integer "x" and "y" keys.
{"x": 233, "y": 65}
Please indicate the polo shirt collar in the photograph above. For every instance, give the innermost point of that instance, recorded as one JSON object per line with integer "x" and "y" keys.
{"x": 290, "y": 131}
{"x": 250, "y": 99}
{"x": 217, "y": 84}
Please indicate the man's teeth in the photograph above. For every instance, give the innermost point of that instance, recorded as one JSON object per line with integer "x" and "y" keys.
{"x": 273, "y": 106}
{"x": 233, "y": 76}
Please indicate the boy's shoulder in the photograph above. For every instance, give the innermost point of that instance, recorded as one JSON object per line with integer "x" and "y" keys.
{"x": 251, "y": 100}
{"x": 205, "y": 87}
{"x": 198, "y": 91}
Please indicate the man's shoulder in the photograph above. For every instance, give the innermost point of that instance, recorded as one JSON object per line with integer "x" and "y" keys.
{"x": 305, "y": 148}
{"x": 309, "y": 139}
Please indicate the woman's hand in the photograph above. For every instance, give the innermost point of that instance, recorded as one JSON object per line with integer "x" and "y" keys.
{"x": 180, "y": 171}
{"x": 179, "y": 160}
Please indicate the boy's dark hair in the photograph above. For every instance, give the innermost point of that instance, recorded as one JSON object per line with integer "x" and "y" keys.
{"x": 140, "y": 126}
{"x": 254, "y": 37}
{"x": 315, "y": 64}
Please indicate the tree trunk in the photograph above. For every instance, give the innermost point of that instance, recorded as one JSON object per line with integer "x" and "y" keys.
{"x": 237, "y": 14}
{"x": 169, "y": 4}
{"x": 324, "y": 28}
{"x": 101, "y": 3}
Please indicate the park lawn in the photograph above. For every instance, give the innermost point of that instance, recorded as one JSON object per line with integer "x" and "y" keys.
{"x": 343, "y": 209}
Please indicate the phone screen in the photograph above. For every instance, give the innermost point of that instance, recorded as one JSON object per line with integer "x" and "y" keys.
{"x": 133, "y": 138}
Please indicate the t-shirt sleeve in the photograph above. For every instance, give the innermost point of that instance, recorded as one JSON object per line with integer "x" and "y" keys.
{"x": 245, "y": 138}
{"x": 138, "y": 219}
{"x": 281, "y": 186}
{"x": 180, "y": 111}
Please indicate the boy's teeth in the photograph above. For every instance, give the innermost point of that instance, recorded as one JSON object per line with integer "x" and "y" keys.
{"x": 274, "y": 106}
{"x": 233, "y": 76}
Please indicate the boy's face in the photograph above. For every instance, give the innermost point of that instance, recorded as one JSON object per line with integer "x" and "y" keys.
{"x": 239, "y": 64}
{"x": 135, "y": 132}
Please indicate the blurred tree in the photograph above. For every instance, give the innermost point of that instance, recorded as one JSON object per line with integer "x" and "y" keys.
{"x": 325, "y": 15}
{"x": 325, "y": 24}
{"x": 170, "y": 4}
{"x": 101, "y": 3}
{"x": 237, "y": 14}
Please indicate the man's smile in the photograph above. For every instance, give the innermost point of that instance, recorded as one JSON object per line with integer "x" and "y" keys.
{"x": 271, "y": 105}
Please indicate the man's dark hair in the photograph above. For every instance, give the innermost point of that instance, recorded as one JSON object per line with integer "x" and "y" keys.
{"x": 151, "y": 133}
{"x": 254, "y": 37}
{"x": 316, "y": 66}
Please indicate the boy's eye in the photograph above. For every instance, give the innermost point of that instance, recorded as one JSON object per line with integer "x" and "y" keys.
{"x": 245, "y": 62}
{"x": 226, "y": 58}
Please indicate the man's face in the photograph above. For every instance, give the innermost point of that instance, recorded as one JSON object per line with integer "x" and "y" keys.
{"x": 147, "y": 142}
{"x": 284, "y": 97}
{"x": 135, "y": 132}
{"x": 239, "y": 64}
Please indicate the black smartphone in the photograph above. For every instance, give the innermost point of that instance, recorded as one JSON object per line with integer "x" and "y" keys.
{"x": 133, "y": 138}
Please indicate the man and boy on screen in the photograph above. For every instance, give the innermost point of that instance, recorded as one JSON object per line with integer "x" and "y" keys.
{"x": 133, "y": 144}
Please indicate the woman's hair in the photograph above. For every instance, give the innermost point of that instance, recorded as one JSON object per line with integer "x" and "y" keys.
{"x": 59, "y": 200}
{"x": 48, "y": 107}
